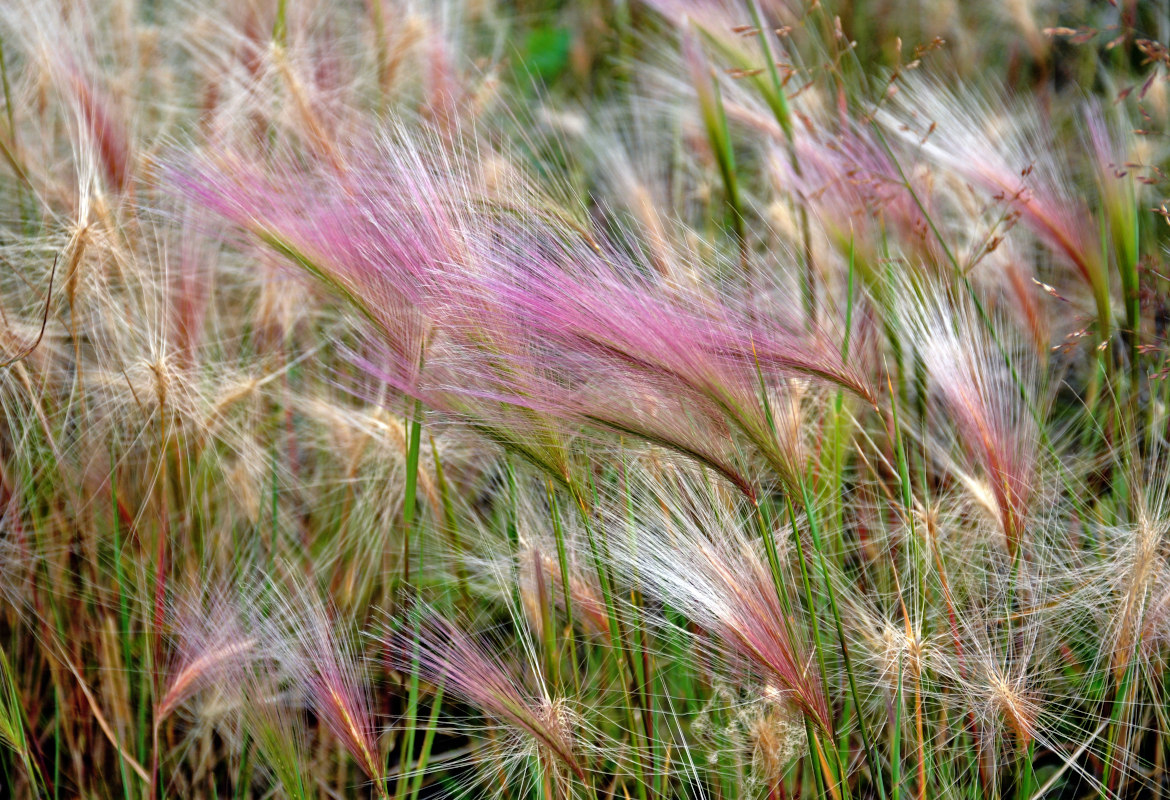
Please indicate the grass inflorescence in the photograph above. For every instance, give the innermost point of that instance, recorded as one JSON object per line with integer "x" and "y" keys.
{"x": 614, "y": 399}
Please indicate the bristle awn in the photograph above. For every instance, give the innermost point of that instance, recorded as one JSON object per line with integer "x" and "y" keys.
{"x": 985, "y": 319}
{"x": 960, "y": 273}
{"x": 448, "y": 655}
